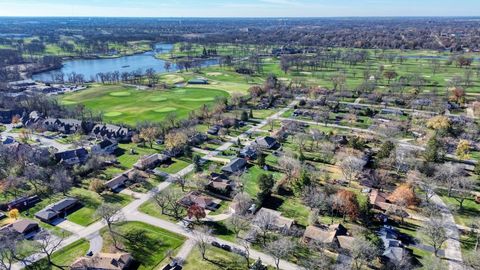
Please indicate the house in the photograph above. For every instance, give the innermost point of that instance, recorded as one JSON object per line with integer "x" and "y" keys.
{"x": 214, "y": 130}
{"x": 379, "y": 200}
{"x": 65, "y": 126}
{"x": 151, "y": 161}
{"x": 104, "y": 261}
{"x": 267, "y": 142}
{"x": 107, "y": 146}
{"x": 22, "y": 203}
{"x": 280, "y": 223}
{"x": 393, "y": 248}
{"x": 25, "y": 227}
{"x": 236, "y": 165}
{"x": 249, "y": 153}
{"x": 118, "y": 181}
{"x": 72, "y": 157}
{"x": 198, "y": 81}
{"x": 57, "y": 210}
{"x": 198, "y": 198}
{"x": 325, "y": 235}
{"x": 120, "y": 134}
{"x": 6, "y": 115}
{"x": 7, "y": 141}
{"x": 220, "y": 183}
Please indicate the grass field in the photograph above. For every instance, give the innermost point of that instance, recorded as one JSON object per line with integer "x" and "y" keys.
{"x": 127, "y": 105}
{"x": 149, "y": 245}
{"x": 65, "y": 256}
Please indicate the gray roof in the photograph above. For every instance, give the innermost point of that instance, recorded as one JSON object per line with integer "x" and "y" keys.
{"x": 235, "y": 165}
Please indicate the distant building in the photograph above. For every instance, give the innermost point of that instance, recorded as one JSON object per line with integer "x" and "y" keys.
{"x": 213, "y": 130}
{"x": 198, "y": 198}
{"x": 72, "y": 157}
{"x": 393, "y": 248}
{"x": 106, "y": 146}
{"x": 248, "y": 152}
{"x": 104, "y": 261}
{"x": 65, "y": 126}
{"x": 120, "y": 134}
{"x": 57, "y": 210}
{"x": 220, "y": 183}
{"x": 6, "y": 115}
{"x": 22, "y": 203}
{"x": 118, "y": 181}
{"x": 25, "y": 227}
{"x": 379, "y": 200}
{"x": 151, "y": 161}
{"x": 267, "y": 142}
{"x": 335, "y": 235}
{"x": 236, "y": 165}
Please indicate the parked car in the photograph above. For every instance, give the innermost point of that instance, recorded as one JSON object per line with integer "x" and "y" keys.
{"x": 227, "y": 248}
{"x": 216, "y": 244}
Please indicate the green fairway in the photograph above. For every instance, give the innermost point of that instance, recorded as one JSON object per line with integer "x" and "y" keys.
{"x": 120, "y": 104}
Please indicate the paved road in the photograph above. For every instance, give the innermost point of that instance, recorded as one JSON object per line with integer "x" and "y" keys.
{"x": 131, "y": 213}
{"x": 45, "y": 142}
{"x": 453, "y": 252}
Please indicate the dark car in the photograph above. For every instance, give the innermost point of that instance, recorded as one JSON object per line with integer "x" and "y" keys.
{"x": 216, "y": 244}
{"x": 227, "y": 248}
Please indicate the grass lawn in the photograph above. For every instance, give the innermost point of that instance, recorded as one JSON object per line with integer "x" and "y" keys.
{"x": 127, "y": 105}
{"x": 151, "y": 208}
{"x": 65, "y": 256}
{"x": 217, "y": 259}
{"x": 148, "y": 244}
{"x": 176, "y": 166}
{"x": 467, "y": 215}
{"x": 127, "y": 159}
{"x": 251, "y": 177}
{"x": 91, "y": 200}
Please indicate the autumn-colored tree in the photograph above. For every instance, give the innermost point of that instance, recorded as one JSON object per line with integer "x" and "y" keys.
{"x": 256, "y": 91}
{"x": 16, "y": 119}
{"x": 439, "y": 122}
{"x": 97, "y": 186}
{"x": 390, "y": 75}
{"x": 457, "y": 95}
{"x": 196, "y": 211}
{"x": 403, "y": 194}
{"x": 463, "y": 149}
{"x": 149, "y": 134}
{"x": 175, "y": 140}
{"x": 14, "y": 214}
{"x": 346, "y": 203}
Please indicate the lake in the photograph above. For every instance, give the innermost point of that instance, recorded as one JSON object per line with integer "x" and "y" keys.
{"x": 91, "y": 67}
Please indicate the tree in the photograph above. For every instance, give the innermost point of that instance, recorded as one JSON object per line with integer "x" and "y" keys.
{"x": 449, "y": 174}
{"x": 363, "y": 252}
{"x": 14, "y": 214}
{"x": 196, "y": 211}
{"x": 110, "y": 214}
{"x": 403, "y": 194}
{"x": 97, "y": 186}
{"x": 434, "y": 229}
{"x": 264, "y": 222}
{"x": 390, "y": 75}
{"x": 202, "y": 238}
{"x": 463, "y": 149}
{"x": 346, "y": 203}
{"x": 175, "y": 140}
{"x": 61, "y": 181}
{"x": 237, "y": 223}
{"x": 181, "y": 181}
{"x": 280, "y": 249}
{"x": 265, "y": 183}
{"x": 149, "y": 134}
{"x": 433, "y": 150}
{"x": 439, "y": 122}
{"x": 242, "y": 202}
{"x": 11, "y": 245}
{"x": 351, "y": 167}
{"x": 197, "y": 166}
{"x": 385, "y": 150}
{"x": 290, "y": 166}
{"x": 462, "y": 189}
{"x": 48, "y": 244}
{"x": 244, "y": 116}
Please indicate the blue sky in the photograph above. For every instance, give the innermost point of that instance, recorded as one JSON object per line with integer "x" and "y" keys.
{"x": 239, "y": 8}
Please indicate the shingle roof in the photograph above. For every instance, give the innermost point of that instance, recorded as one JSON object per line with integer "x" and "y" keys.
{"x": 103, "y": 261}
{"x": 24, "y": 225}
{"x": 235, "y": 165}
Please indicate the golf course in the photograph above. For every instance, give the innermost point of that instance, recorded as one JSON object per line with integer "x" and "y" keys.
{"x": 127, "y": 105}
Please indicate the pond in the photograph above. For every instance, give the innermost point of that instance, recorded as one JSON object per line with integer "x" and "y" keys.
{"x": 91, "y": 67}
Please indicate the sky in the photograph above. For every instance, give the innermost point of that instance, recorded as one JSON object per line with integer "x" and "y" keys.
{"x": 239, "y": 8}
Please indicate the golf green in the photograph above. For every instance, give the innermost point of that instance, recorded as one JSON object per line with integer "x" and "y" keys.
{"x": 120, "y": 94}
{"x": 158, "y": 99}
{"x": 112, "y": 114}
{"x": 166, "y": 109}
{"x": 199, "y": 99}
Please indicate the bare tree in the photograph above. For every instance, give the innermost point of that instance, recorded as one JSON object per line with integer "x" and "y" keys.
{"x": 242, "y": 202}
{"x": 264, "y": 222}
{"x": 463, "y": 187}
{"x": 48, "y": 244}
{"x": 351, "y": 167}
{"x": 434, "y": 229}
{"x": 10, "y": 249}
{"x": 111, "y": 215}
{"x": 280, "y": 249}
{"x": 246, "y": 250}
{"x": 238, "y": 223}
{"x": 447, "y": 173}
{"x": 362, "y": 252}
{"x": 202, "y": 237}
